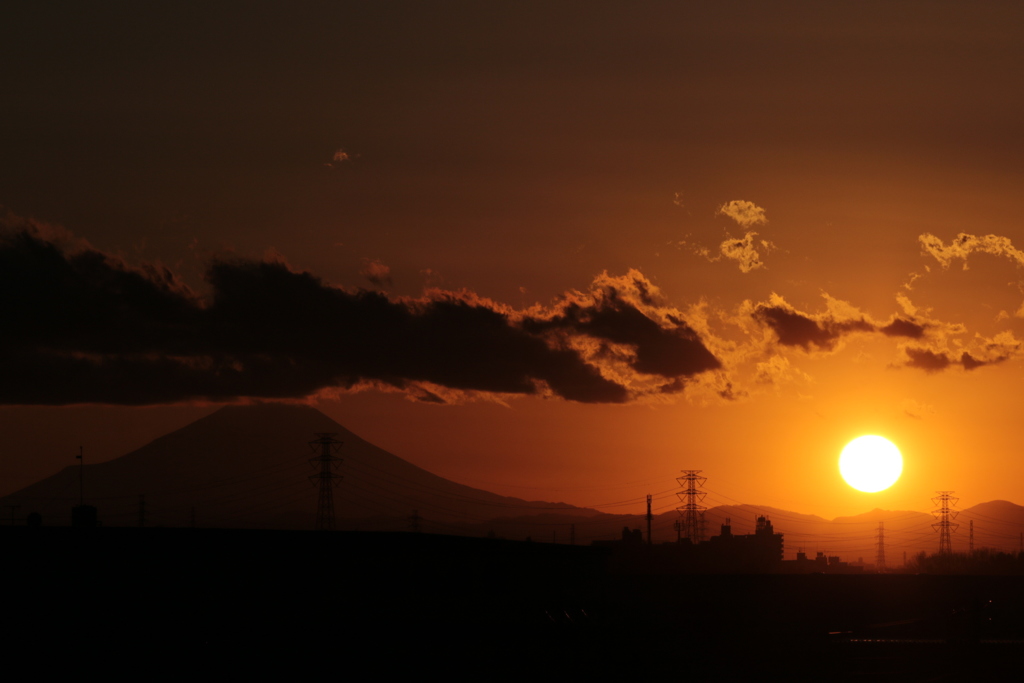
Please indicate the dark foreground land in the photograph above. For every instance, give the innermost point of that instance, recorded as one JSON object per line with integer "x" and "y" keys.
{"x": 334, "y": 604}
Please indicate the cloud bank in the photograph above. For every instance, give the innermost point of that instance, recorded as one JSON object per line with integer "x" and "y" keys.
{"x": 82, "y": 326}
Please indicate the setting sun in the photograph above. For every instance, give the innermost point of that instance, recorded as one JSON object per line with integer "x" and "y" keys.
{"x": 870, "y": 463}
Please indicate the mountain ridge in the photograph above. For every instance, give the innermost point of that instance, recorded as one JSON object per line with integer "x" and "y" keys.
{"x": 249, "y": 467}
{"x": 239, "y": 453}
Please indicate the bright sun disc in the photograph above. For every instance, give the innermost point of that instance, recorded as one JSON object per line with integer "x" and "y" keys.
{"x": 870, "y": 463}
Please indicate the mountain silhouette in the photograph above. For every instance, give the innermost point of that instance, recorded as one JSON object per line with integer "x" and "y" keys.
{"x": 248, "y": 467}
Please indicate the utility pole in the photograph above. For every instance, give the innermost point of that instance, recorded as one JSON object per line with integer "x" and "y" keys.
{"x": 678, "y": 526}
{"x": 82, "y": 515}
{"x": 414, "y": 521}
{"x": 945, "y": 515}
{"x": 970, "y": 542}
{"x": 691, "y": 511}
{"x": 327, "y": 461}
{"x": 880, "y": 557}
{"x": 81, "y": 476}
{"x": 649, "y": 518}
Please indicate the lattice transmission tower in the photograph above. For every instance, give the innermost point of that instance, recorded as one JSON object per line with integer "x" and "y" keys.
{"x": 945, "y": 515}
{"x": 691, "y": 510}
{"x": 880, "y": 556}
{"x": 327, "y": 461}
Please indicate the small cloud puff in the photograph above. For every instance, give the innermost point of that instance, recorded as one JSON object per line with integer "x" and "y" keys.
{"x": 376, "y": 272}
{"x": 778, "y": 370}
{"x": 746, "y": 214}
{"x": 745, "y": 251}
{"x": 339, "y": 157}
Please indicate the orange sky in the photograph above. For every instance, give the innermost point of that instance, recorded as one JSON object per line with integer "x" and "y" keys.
{"x": 515, "y": 154}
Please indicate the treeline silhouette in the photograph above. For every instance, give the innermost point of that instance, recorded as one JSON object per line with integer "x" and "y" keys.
{"x": 984, "y": 561}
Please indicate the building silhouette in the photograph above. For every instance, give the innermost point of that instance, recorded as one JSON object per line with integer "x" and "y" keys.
{"x": 727, "y": 553}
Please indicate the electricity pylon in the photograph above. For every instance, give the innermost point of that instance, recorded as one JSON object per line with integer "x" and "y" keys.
{"x": 945, "y": 515}
{"x": 692, "y": 511}
{"x": 327, "y": 461}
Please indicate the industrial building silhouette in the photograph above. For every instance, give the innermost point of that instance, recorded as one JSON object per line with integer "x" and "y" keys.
{"x": 759, "y": 552}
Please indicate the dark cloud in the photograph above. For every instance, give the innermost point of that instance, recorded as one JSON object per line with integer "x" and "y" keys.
{"x": 926, "y": 360}
{"x": 670, "y": 352}
{"x": 903, "y": 328}
{"x": 970, "y": 362}
{"x": 796, "y": 329}
{"x": 823, "y": 331}
{"x": 935, "y": 361}
{"x": 80, "y": 326}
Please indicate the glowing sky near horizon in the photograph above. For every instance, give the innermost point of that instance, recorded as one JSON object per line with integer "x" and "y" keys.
{"x": 810, "y": 217}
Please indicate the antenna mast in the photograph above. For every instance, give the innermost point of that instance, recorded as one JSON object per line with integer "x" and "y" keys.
{"x": 328, "y": 461}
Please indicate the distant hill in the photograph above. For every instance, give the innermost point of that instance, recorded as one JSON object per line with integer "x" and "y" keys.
{"x": 997, "y": 525}
{"x": 248, "y": 467}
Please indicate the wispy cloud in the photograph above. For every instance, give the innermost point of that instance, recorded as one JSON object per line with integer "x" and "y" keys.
{"x": 778, "y": 370}
{"x": 982, "y": 352}
{"x": 916, "y": 410}
{"x": 963, "y": 245}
